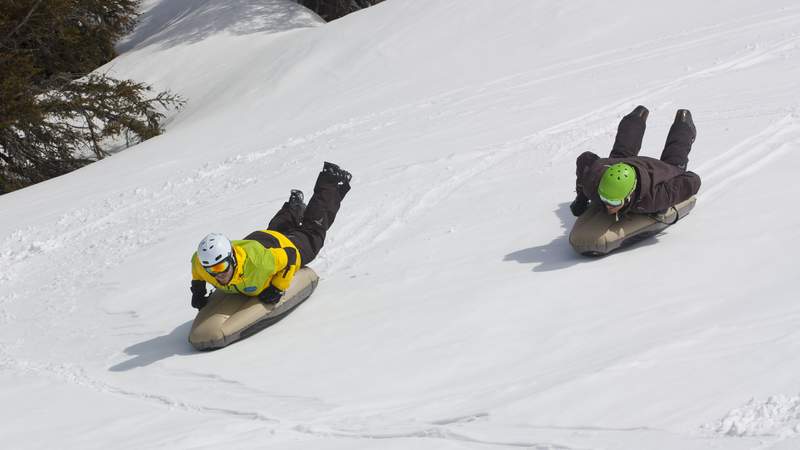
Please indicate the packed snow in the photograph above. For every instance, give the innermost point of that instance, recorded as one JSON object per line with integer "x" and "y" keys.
{"x": 452, "y": 312}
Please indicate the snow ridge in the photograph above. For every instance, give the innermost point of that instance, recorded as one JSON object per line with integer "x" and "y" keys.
{"x": 777, "y": 416}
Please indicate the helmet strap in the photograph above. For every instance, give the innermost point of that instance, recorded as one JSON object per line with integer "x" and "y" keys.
{"x": 630, "y": 194}
{"x": 234, "y": 263}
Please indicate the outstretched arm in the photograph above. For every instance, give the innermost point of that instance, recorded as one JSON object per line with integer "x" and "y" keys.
{"x": 579, "y": 205}
{"x": 582, "y": 164}
{"x": 198, "y": 287}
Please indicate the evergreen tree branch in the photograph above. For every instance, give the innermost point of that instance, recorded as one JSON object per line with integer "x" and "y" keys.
{"x": 22, "y": 22}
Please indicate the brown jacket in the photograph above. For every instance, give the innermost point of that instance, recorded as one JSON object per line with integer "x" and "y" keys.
{"x": 659, "y": 184}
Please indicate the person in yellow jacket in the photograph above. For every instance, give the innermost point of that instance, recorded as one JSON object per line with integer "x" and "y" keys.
{"x": 264, "y": 262}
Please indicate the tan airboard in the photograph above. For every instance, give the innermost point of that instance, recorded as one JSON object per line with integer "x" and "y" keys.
{"x": 598, "y": 233}
{"x": 228, "y": 318}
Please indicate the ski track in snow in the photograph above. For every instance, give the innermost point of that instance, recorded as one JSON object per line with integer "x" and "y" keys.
{"x": 749, "y": 156}
{"x": 666, "y": 45}
{"x": 76, "y": 375}
{"x": 434, "y": 433}
{"x": 118, "y": 224}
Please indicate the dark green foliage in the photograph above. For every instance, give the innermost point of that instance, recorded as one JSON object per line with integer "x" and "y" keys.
{"x": 54, "y": 116}
{"x": 334, "y": 9}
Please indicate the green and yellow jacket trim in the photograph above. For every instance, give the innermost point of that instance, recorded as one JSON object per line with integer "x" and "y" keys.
{"x": 259, "y": 264}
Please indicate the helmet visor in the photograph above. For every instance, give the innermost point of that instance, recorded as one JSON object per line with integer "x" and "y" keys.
{"x": 611, "y": 202}
{"x": 219, "y": 267}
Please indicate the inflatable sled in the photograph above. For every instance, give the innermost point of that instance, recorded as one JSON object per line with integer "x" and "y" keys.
{"x": 228, "y": 318}
{"x": 597, "y": 233}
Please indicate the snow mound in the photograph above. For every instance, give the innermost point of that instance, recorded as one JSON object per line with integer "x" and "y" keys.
{"x": 169, "y": 23}
{"x": 779, "y": 416}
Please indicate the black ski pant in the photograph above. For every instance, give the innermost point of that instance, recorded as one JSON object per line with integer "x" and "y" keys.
{"x": 631, "y": 132}
{"x": 307, "y": 230}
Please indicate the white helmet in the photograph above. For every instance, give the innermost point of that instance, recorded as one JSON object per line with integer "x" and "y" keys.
{"x": 214, "y": 249}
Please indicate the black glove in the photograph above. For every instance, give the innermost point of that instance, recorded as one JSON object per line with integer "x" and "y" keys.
{"x": 199, "y": 299}
{"x": 270, "y": 295}
{"x": 579, "y": 205}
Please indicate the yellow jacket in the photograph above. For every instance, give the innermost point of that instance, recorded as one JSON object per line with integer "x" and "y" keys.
{"x": 257, "y": 266}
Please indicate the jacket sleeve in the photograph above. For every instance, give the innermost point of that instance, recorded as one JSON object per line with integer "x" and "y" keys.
{"x": 582, "y": 164}
{"x": 285, "y": 267}
{"x": 674, "y": 190}
{"x": 196, "y": 268}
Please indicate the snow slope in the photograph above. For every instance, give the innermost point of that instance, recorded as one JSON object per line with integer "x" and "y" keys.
{"x": 452, "y": 313}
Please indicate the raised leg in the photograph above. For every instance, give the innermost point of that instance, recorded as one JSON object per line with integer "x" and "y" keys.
{"x": 679, "y": 140}
{"x": 630, "y": 133}
{"x": 289, "y": 217}
{"x": 329, "y": 191}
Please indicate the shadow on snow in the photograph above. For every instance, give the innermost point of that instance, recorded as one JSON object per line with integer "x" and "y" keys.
{"x": 158, "y": 348}
{"x": 558, "y": 253}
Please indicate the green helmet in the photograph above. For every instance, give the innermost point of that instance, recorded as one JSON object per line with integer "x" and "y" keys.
{"x": 617, "y": 184}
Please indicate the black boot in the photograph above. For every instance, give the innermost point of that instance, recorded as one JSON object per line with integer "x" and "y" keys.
{"x": 641, "y": 112}
{"x": 339, "y": 175}
{"x": 684, "y": 116}
{"x": 296, "y": 201}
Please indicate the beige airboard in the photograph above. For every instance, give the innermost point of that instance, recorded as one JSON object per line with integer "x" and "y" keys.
{"x": 598, "y": 233}
{"x": 228, "y": 318}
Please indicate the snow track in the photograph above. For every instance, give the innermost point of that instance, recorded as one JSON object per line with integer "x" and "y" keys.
{"x": 750, "y": 156}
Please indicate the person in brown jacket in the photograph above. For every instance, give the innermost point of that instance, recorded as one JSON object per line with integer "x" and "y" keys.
{"x": 639, "y": 184}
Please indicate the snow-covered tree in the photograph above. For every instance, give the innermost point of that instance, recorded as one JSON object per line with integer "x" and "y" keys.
{"x": 54, "y": 116}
